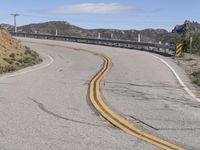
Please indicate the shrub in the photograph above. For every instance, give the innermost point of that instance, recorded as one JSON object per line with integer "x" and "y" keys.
{"x": 185, "y": 40}
{"x": 27, "y": 51}
{"x": 196, "y": 79}
{"x": 12, "y": 55}
{"x": 31, "y": 58}
{"x": 7, "y": 69}
{"x": 8, "y": 60}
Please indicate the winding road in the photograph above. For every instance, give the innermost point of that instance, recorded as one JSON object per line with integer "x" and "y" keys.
{"x": 95, "y": 97}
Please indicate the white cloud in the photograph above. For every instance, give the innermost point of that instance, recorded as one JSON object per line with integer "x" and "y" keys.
{"x": 94, "y": 8}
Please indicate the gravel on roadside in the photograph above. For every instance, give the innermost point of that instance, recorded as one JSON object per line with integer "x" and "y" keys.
{"x": 191, "y": 65}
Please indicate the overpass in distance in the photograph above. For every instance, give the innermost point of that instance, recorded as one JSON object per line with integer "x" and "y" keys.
{"x": 70, "y": 100}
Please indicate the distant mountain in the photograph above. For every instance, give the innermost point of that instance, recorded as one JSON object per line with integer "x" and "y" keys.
{"x": 147, "y": 35}
{"x": 188, "y": 27}
{"x": 62, "y": 27}
{"x": 65, "y": 28}
{"x": 7, "y": 27}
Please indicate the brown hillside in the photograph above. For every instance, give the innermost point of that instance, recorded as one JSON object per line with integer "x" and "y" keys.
{"x": 8, "y": 45}
{"x": 13, "y": 55}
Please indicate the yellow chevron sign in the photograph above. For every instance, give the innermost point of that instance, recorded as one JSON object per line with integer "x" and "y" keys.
{"x": 179, "y": 49}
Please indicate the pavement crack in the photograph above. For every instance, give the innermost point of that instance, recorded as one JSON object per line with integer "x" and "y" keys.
{"x": 142, "y": 122}
{"x": 44, "y": 109}
{"x": 180, "y": 129}
{"x": 150, "y": 85}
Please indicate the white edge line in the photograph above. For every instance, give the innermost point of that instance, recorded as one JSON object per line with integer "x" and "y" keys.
{"x": 178, "y": 78}
{"x": 31, "y": 70}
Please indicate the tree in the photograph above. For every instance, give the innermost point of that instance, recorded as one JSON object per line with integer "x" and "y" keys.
{"x": 185, "y": 40}
{"x": 196, "y": 43}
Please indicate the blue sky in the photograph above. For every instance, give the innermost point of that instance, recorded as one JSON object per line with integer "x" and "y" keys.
{"x": 120, "y": 14}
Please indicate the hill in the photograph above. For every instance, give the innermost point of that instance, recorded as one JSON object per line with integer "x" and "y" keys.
{"x": 65, "y": 28}
{"x": 147, "y": 35}
{"x": 188, "y": 27}
{"x": 14, "y": 56}
{"x": 62, "y": 27}
{"x": 186, "y": 31}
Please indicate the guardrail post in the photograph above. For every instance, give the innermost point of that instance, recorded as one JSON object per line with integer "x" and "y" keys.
{"x": 191, "y": 45}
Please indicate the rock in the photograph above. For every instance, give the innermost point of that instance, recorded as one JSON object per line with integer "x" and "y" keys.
{"x": 188, "y": 27}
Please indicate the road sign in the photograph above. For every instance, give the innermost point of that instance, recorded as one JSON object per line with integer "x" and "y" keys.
{"x": 191, "y": 45}
{"x": 179, "y": 49}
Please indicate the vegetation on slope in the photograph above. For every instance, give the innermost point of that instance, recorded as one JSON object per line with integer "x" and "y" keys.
{"x": 14, "y": 56}
{"x": 183, "y": 34}
{"x": 196, "y": 77}
{"x": 185, "y": 39}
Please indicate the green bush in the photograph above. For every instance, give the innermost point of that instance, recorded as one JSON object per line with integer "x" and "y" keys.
{"x": 17, "y": 64}
{"x": 196, "y": 43}
{"x": 12, "y": 55}
{"x": 185, "y": 40}
{"x": 7, "y": 69}
{"x": 27, "y": 51}
{"x": 8, "y": 60}
{"x": 14, "y": 64}
{"x": 196, "y": 79}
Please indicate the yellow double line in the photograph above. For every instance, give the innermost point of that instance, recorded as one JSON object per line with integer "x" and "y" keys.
{"x": 115, "y": 119}
{"x": 112, "y": 117}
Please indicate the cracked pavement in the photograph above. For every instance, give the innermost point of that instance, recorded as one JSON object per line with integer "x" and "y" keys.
{"x": 48, "y": 109}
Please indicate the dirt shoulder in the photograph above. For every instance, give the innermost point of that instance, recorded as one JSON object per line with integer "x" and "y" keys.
{"x": 191, "y": 65}
{"x": 14, "y": 56}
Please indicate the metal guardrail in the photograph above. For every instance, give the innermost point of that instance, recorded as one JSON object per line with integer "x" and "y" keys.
{"x": 157, "y": 48}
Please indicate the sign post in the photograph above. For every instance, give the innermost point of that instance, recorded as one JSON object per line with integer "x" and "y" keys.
{"x": 191, "y": 45}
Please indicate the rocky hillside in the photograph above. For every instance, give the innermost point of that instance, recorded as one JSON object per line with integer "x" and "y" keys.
{"x": 13, "y": 55}
{"x": 186, "y": 31}
{"x": 188, "y": 27}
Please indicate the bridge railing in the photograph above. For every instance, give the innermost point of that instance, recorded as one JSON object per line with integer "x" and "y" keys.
{"x": 152, "y": 47}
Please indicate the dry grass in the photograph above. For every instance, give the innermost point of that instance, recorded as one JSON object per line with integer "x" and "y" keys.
{"x": 14, "y": 56}
{"x": 196, "y": 77}
{"x": 191, "y": 64}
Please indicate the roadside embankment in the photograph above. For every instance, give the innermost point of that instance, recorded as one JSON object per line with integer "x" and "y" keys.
{"x": 191, "y": 64}
{"x": 13, "y": 55}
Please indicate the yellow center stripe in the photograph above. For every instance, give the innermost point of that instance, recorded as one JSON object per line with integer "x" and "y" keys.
{"x": 117, "y": 120}
{"x": 109, "y": 115}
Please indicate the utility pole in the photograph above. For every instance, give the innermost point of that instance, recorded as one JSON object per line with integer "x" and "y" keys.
{"x": 15, "y": 22}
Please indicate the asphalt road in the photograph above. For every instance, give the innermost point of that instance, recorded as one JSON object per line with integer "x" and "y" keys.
{"x": 46, "y": 107}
